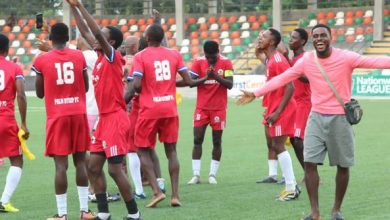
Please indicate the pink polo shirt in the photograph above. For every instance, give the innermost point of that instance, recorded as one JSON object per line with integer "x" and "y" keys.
{"x": 339, "y": 66}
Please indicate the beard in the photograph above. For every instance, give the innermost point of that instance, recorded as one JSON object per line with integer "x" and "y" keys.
{"x": 325, "y": 52}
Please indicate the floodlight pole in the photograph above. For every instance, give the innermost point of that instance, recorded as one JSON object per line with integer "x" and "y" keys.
{"x": 148, "y": 7}
{"x": 277, "y": 14}
{"x": 312, "y": 4}
{"x": 179, "y": 13}
{"x": 378, "y": 20}
{"x": 99, "y": 5}
{"x": 212, "y": 6}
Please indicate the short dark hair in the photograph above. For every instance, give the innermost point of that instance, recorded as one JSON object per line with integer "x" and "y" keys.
{"x": 155, "y": 33}
{"x": 210, "y": 47}
{"x": 4, "y": 43}
{"x": 303, "y": 34}
{"x": 321, "y": 26}
{"x": 276, "y": 35}
{"x": 59, "y": 33}
{"x": 116, "y": 35}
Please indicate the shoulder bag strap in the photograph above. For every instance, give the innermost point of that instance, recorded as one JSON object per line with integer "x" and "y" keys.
{"x": 323, "y": 72}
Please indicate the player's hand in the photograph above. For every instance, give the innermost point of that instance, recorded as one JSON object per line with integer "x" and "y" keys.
{"x": 245, "y": 98}
{"x": 26, "y": 132}
{"x": 156, "y": 16}
{"x": 74, "y": 3}
{"x": 272, "y": 118}
{"x": 211, "y": 72}
{"x": 43, "y": 45}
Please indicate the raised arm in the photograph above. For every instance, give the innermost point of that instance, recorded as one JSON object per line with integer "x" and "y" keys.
{"x": 106, "y": 47}
{"x": 157, "y": 20}
{"x": 22, "y": 104}
{"x": 84, "y": 30}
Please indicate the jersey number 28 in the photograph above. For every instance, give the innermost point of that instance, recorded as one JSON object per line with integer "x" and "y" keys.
{"x": 162, "y": 70}
{"x": 2, "y": 80}
{"x": 65, "y": 74}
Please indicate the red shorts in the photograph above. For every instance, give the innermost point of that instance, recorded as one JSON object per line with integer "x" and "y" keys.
{"x": 216, "y": 118}
{"x": 284, "y": 126}
{"x": 111, "y": 135}
{"x": 133, "y": 116}
{"x": 9, "y": 142}
{"x": 67, "y": 135}
{"x": 146, "y": 131}
{"x": 301, "y": 119}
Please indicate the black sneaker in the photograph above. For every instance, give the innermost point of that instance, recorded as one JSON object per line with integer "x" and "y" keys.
{"x": 57, "y": 217}
{"x": 139, "y": 196}
{"x": 97, "y": 218}
{"x": 268, "y": 179}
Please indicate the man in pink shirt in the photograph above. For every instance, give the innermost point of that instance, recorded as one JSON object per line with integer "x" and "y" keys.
{"x": 327, "y": 127}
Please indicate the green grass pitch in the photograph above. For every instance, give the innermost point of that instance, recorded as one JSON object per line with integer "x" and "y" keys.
{"x": 236, "y": 196}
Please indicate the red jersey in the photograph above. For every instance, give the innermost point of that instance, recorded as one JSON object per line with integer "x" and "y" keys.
{"x": 302, "y": 92}
{"x": 276, "y": 65}
{"x": 211, "y": 94}
{"x": 107, "y": 81}
{"x": 158, "y": 66}
{"x": 9, "y": 73}
{"x": 64, "y": 88}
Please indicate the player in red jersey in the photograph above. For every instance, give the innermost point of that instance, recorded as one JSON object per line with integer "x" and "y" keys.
{"x": 280, "y": 110}
{"x": 155, "y": 80}
{"x": 113, "y": 127}
{"x": 302, "y": 93}
{"x": 63, "y": 81}
{"x": 11, "y": 86}
{"x": 211, "y": 105}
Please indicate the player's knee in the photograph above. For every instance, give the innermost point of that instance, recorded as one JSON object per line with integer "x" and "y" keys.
{"x": 61, "y": 167}
{"x": 217, "y": 143}
{"x": 17, "y": 161}
{"x": 115, "y": 165}
{"x": 93, "y": 170}
{"x": 198, "y": 141}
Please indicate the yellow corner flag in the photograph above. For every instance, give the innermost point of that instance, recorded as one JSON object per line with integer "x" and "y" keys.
{"x": 23, "y": 144}
{"x": 178, "y": 98}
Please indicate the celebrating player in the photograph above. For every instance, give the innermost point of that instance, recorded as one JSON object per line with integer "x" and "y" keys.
{"x": 155, "y": 80}
{"x": 211, "y": 104}
{"x": 280, "y": 110}
{"x": 113, "y": 127}
{"x": 63, "y": 81}
{"x": 11, "y": 85}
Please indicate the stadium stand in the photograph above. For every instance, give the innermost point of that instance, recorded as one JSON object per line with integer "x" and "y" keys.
{"x": 351, "y": 29}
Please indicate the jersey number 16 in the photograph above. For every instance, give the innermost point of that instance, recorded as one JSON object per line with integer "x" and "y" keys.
{"x": 2, "y": 80}
{"x": 162, "y": 70}
{"x": 65, "y": 74}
